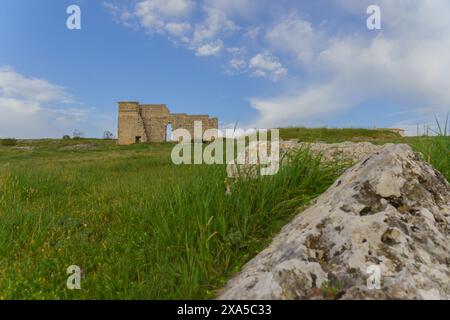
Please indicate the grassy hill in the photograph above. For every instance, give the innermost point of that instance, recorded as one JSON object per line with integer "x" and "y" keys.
{"x": 334, "y": 135}
{"x": 141, "y": 227}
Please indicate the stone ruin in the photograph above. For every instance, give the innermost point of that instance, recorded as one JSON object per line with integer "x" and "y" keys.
{"x": 148, "y": 122}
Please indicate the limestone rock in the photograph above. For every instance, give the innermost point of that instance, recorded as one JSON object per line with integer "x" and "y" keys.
{"x": 347, "y": 151}
{"x": 81, "y": 146}
{"x": 246, "y": 162}
{"x": 390, "y": 211}
{"x": 24, "y": 148}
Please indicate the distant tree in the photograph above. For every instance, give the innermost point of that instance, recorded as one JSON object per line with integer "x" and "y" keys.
{"x": 77, "y": 134}
{"x": 66, "y": 137}
{"x": 108, "y": 135}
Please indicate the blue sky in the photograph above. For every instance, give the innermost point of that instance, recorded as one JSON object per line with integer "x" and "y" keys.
{"x": 259, "y": 62}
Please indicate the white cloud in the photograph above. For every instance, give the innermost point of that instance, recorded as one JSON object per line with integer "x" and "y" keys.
{"x": 120, "y": 14}
{"x": 219, "y": 23}
{"x": 241, "y": 8}
{"x": 202, "y": 26}
{"x": 178, "y": 29}
{"x": 175, "y": 19}
{"x": 268, "y": 66}
{"x": 210, "y": 49}
{"x": 14, "y": 85}
{"x": 216, "y": 22}
{"x": 155, "y": 14}
{"x": 294, "y": 36}
{"x": 292, "y": 108}
{"x": 406, "y": 64}
{"x": 237, "y": 62}
{"x": 252, "y": 33}
{"x": 21, "y": 107}
{"x": 31, "y": 107}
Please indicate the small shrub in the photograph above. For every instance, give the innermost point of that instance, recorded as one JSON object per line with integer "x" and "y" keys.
{"x": 10, "y": 142}
{"x": 108, "y": 135}
{"x": 77, "y": 134}
{"x": 331, "y": 291}
{"x": 66, "y": 137}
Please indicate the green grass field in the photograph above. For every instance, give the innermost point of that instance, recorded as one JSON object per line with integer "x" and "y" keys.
{"x": 139, "y": 226}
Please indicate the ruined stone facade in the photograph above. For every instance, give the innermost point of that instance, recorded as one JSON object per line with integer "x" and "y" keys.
{"x": 148, "y": 122}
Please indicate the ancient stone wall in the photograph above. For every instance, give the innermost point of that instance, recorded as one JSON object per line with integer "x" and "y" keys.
{"x": 130, "y": 123}
{"x": 148, "y": 122}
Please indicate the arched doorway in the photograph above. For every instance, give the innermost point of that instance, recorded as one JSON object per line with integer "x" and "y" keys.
{"x": 169, "y": 134}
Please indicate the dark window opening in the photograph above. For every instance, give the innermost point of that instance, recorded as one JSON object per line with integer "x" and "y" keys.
{"x": 138, "y": 139}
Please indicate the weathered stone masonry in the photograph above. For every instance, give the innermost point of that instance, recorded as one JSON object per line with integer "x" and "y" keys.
{"x": 148, "y": 122}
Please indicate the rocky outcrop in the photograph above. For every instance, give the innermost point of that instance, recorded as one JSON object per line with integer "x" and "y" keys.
{"x": 348, "y": 152}
{"x": 24, "y": 148}
{"x": 81, "y": 146}
{"x": 390, "y": 213}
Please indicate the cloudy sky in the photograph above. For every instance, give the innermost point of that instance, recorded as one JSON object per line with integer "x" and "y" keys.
{"x": 260, "y": 63}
